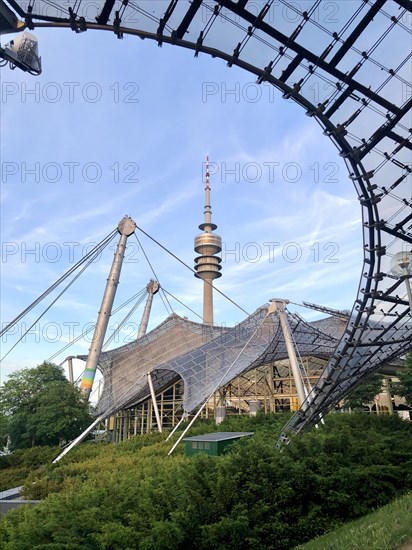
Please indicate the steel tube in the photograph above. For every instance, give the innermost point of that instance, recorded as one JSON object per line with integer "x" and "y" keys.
{"x": 126, "y": 227}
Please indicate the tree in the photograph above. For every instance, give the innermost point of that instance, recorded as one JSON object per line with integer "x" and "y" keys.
{"x": 42, "y": 407}
{"x": 403, "y": 388}
{"x": 365, "y": 392}
{"x": 4, "y": 430}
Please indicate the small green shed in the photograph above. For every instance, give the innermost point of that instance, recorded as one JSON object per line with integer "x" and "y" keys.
{"x": 212, "y": 444}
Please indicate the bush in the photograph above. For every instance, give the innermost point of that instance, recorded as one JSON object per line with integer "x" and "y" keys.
{"x": 16, "y": 467}
{"x": 135, "y": 496}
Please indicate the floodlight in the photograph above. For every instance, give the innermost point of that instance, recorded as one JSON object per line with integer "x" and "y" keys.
{"x": 401, "y": 267}
{"x": 22, "y": 52}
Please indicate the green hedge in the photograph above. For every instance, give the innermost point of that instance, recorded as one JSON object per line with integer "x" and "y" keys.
{"x": 15, "y": 468}
{"x": 133, "y": 495}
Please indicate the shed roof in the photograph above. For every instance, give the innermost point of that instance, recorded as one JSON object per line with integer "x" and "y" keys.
{"x": 218, "y": 436}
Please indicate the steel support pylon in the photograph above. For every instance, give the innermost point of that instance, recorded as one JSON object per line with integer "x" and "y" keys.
{"x": 126, "y": 228}
{"x": 278, "y": 306}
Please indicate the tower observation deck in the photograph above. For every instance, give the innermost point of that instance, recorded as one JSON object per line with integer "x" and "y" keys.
{"x": 208, "y": 245}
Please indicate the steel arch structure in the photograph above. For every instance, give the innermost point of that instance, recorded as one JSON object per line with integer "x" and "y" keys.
{"x": 348, "y": 64}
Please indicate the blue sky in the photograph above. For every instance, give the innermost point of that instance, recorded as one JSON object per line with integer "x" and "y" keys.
{"x": 115, "y": 127}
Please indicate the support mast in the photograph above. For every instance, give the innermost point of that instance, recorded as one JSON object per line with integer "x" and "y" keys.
{"x": 279, "y": 306}
{"x": 126, "y": 228}
{"x": 152, "y": 288}
{"x": 70, "y": 367}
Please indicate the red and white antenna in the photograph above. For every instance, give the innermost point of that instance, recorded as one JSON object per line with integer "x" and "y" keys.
{"x": 207, "y": 173}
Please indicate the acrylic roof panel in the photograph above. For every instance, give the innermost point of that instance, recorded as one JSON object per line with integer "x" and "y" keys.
{"x": 204, "y": 358}
{"x": 125, "y": 369}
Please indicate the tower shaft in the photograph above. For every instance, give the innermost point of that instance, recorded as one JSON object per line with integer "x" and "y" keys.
{"x": 208, "y": 301}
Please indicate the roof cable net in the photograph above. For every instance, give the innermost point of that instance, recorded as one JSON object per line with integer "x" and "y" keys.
{"x": 201, "y": 356}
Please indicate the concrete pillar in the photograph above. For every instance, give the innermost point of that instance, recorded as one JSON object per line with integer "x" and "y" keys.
{"x": 220, "y": 414}
{"x": 255, "y": 407}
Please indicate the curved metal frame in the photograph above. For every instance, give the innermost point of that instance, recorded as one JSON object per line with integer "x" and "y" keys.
{"x": 380, "y": 325}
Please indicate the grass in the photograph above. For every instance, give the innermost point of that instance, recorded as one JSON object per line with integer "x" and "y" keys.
{"x": 389, "y": 528}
